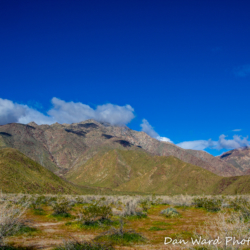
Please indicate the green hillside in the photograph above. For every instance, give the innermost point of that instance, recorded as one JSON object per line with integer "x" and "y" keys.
{"x": 233, "y": 185}
{"x": 18, "y": 173}
{"x": 111, "y": 167}
{"x": 172, "y": 176}
{"x": 116, "y": 171}
{"x": 137, "y": 171}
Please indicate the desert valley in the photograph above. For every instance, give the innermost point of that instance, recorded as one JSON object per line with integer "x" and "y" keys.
{"x": 91, "y": 185}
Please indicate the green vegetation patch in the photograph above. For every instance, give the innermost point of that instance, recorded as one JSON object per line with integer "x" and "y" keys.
{"x": 61, "y": 216}
{"x": 209, "y": 204}
{"x": 162, "y": 223}
{"x": 104, "y": 224}
{"x": 156, "y": 229}
{"x": 120, "y": 236}
{"x": 20, "y": 174}
{"x": 8, "y": 247}
{"x": 39, "y": 211}
{"x": 122, "y": 239}
{"x": 61, "y": 207}
{"x": 137, "y": 216}
{"x": 24, "y": 229}
{"x": 85, "y": 245}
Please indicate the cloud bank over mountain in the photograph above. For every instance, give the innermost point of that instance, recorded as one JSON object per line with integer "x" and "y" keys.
{"x": 65, "y": 112}
{"x": 73, "y": 112}
{"x": 69, "y": 112}
{"x": 14, "y": 112}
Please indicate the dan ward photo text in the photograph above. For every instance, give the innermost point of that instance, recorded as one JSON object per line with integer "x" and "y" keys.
{"x": 201, "y": 241}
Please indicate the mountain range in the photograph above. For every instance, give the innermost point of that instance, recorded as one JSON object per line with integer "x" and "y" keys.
{"x": 96, "y": 155}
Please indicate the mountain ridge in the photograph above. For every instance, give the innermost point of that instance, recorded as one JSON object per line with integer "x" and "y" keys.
{"x": 59, "y": 147}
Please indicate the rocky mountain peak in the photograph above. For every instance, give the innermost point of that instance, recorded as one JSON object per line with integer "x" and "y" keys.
{"x": 33, "y": 124}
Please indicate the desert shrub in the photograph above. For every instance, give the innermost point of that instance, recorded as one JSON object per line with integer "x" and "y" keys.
{"x": 93, "y": 212}
{"x": 23, "y": 200}
{"x": 35, "y": 206}
{"x": 52, "y": 200}
{"x": 39, "y": 211}
{"x": 241, "y": 205}
{"x": 79, "y": 200}
{"x": 10, "y": 220}
{"x": 138, "y": 216}
{"x": 24, "y": 229}
{"x": 145, "y": 205}
{"x": 84, "y": 245}
{"x": 93, "y": 225}
{"x": 37, "y": 202}
{"x": 181, "y": 200}
{"x": 155, "y": 200}
{"x": 120, "y": 236}
{"x": 170, "y": 212}
{"x": 132, "y": 208}
{"x": 226, "y": 224}
{"x": 61, "y": 207}
{"x": 210, "y": 204}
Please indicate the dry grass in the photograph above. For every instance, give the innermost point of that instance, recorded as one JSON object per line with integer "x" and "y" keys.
{"x": 231, "y": 228}
{"x": 193, "y": 222}
{"x": 10, "y": 219}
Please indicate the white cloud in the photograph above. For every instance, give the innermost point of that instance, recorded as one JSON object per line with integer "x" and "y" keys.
{"x": 70, "y": 112}
{"x": 114, "y": 114}
{"x": 237, "y": 130}
{"x": 242, "y": 71}
{"x": 148, "y": 129}
{"x": 222, "y": 143}
{"x": 163, "y": 139}
{"x": 197, "y": 145}
{"x": 65, "y": 112}
{"x": 237, "y": 142}
{"x": 14, "y": 112}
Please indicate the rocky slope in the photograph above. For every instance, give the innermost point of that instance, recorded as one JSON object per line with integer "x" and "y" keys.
{"x": 62, "y": 147}
{"x": 239, "y": 158}
{"x": 217, "y": 165}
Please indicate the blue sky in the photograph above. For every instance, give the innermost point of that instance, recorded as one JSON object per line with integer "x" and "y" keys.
{"x": 184, "y": 66}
